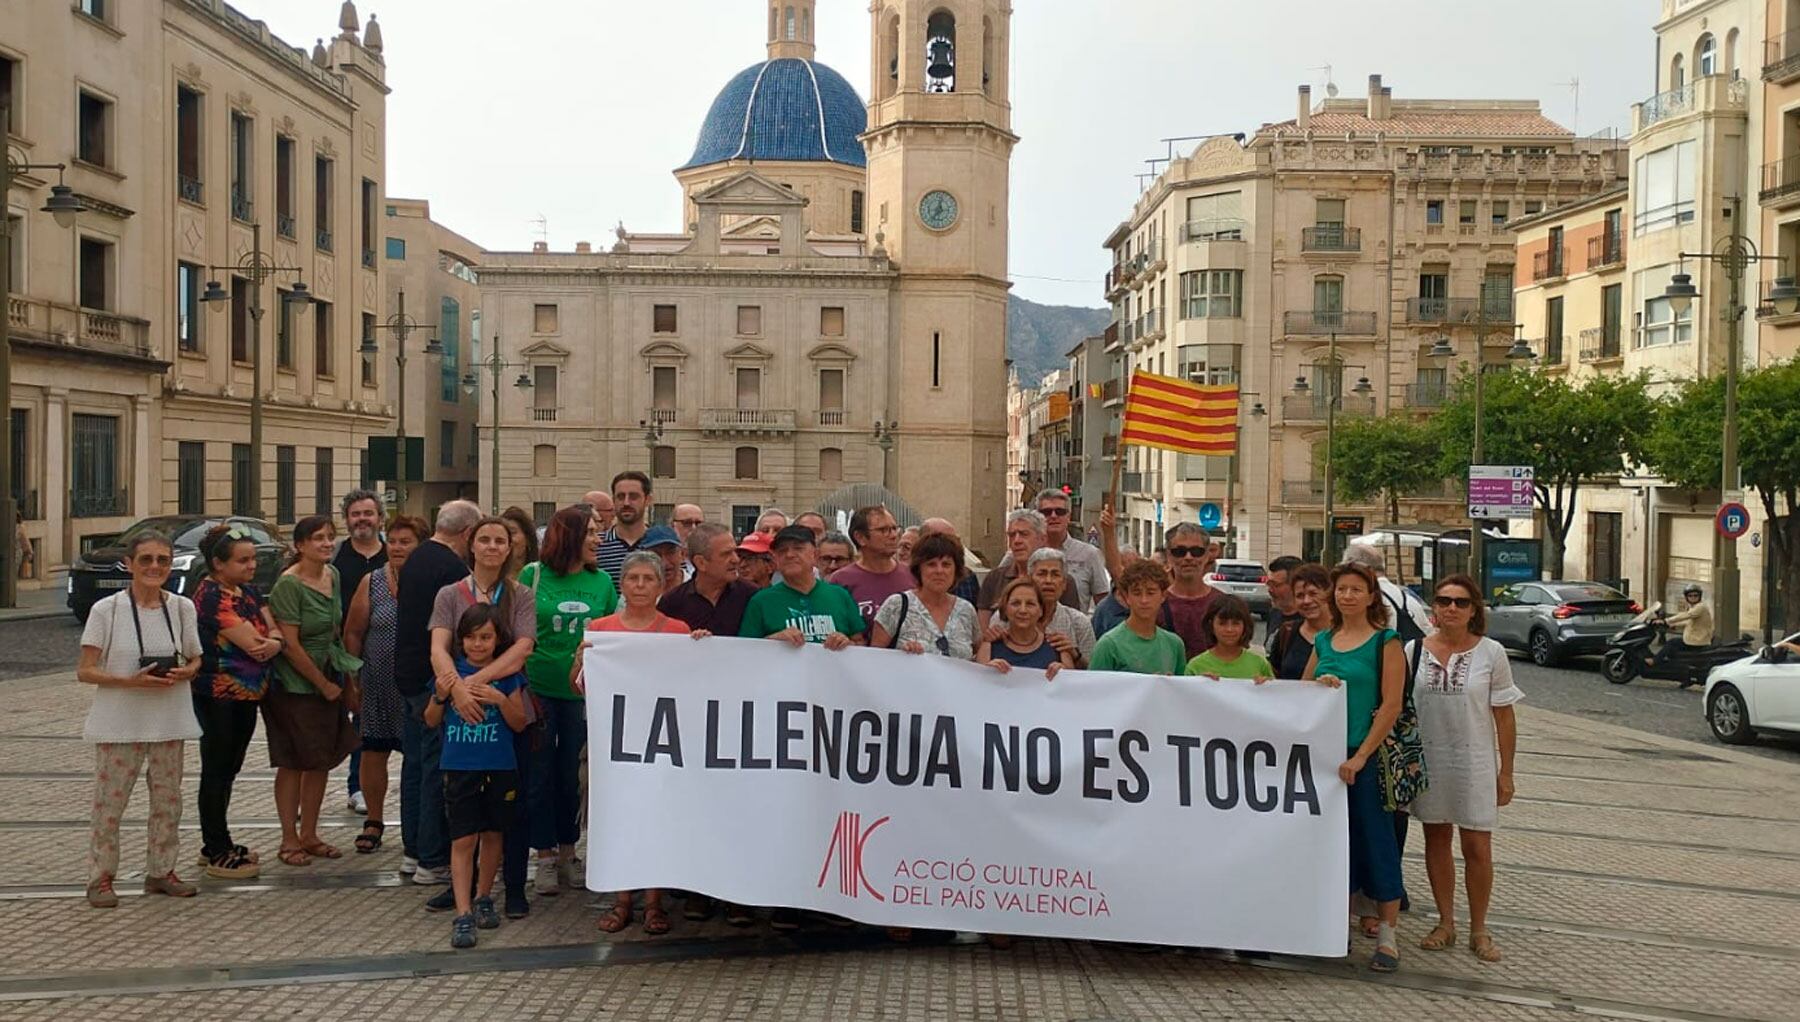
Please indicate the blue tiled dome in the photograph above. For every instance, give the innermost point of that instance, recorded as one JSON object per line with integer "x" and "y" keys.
{"x": 787, "y": 109}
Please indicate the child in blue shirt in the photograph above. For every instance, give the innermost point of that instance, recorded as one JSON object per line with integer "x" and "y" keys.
{"x": 481, "y": 777}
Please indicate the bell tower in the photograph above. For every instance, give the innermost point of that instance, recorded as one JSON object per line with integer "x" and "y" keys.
{"x": 939, "y": 145}
{"x": 790, "y": 29}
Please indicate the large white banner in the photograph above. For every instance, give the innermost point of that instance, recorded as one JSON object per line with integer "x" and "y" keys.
{"x": 919, "y": 791}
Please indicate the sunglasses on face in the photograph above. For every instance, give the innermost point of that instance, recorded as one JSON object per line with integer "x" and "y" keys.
{"x": 1054, "y": 512}
{"x": 157, "y": 560}
{"x": 1459, "y": 602}
{"x": 1188, "y": 551}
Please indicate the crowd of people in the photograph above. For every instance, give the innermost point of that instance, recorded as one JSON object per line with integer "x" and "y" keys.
{"x": 459, "y": 645}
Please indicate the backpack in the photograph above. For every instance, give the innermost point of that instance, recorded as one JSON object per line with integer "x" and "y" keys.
{"x": 1403, "y": 622}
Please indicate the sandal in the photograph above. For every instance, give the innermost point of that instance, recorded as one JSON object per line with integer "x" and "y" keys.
{"x": 323, "y": 851}
{"x": 1441, "y": 937}
{"x": 656, "y": 921}
{"x": 246, "y": 854}
{"x": 370, "y": 838}
{"x": 616, "y": 918}
{"x": 231, "y": 865}
{"x": 1481, "y": 943}
{"x": 294, "y": 857}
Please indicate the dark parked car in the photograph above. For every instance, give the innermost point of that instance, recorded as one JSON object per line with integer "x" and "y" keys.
{"x": 1553, "y": 620}
{"x": 101, "y": 571}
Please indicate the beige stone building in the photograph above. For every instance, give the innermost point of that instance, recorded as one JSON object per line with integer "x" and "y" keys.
{"x": 1371, "y": 226}
{"x": 431, "y": 282}
{"x": 183, "y": 122}
{"x": 840, "y": 264}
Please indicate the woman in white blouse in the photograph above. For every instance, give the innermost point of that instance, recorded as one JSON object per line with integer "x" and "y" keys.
{"x": 140, "y": 649}
{"x": 1464, "y": 692}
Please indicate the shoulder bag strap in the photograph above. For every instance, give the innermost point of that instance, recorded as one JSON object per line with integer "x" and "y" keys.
{"x": 900, "y": 622}
{"x": 1413, "y": 674}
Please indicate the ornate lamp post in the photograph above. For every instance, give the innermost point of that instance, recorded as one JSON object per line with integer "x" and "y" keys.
{"x": 1363, "y": 388}
{"x": 653, "y": 433}
{"x": 495, "y": 365}
{"x": 401, "y": 326}
{"x": 885, "y": 435}
{"x": 63, "y": 206}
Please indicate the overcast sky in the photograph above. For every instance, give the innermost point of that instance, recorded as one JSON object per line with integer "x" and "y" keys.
{"x": 577, "y": 110}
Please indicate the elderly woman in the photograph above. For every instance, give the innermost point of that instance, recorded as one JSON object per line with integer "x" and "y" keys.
{"x": 139, "y": 650}
{"x": 641, "y": 585}
{"x": 369, "y": 636}
{"x": 1464, "y": 692}
{"x": 238, "y": 638}
{"x": 929, "y": 617}
{"x": 305, "y": 712}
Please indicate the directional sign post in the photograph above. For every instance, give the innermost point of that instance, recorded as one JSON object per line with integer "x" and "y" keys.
{"x": 1733, "y": 520}
{"x": 1500, "y": 491}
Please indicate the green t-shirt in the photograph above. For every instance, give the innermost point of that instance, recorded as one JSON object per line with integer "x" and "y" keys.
{"x": 293, "y": 602}
{"x": 1249, "y": 665}
{"x": 1360, "y": 671}
{"x": 827, "y": 608}
{"x": 1122, "y": 649}
{"x": 565, "y": 604}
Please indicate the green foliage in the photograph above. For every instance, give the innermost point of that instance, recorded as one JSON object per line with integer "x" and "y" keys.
{"x": 1383, "y": 457}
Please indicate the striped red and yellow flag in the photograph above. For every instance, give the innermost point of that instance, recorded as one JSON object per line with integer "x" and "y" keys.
{"x": 1176, "y": 415}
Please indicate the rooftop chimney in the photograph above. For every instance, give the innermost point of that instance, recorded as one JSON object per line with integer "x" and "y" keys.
{"x": 1377, "y": 108}
{"x": 1303, "y": 119}
{"x": 540, "y": 246}
{"x": 583, "y": 247}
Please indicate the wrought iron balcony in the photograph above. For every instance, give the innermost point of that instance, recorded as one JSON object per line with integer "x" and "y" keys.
{"x": 1606, "y": 250}
{"x": 729, "y": 421}
{"x": 1780, "y": 182}
{"x": 1550, "y": 263}
{"x": 285, "y": 227}
{"x": 1665, "y": 105}
{"x": 1330, "y": 238}
{"x": 322, "y": 240}
{"x": 1313, "y": 407}
{"x": 1328, "y": 321}
{"x": 1303, "y": 492}
{"x": 1215, "y": 229}
{"x": 190, "y": 189}
{"x": 1598, "y": 344}
{"x": 98, "y": 503}
{"x": 241, "y": 207}
{"x": 1781, "y": 57}
{"x": 1495, "y": 309}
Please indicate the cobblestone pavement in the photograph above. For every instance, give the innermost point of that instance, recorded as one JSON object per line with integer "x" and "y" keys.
{"x": 1639, "y": 877}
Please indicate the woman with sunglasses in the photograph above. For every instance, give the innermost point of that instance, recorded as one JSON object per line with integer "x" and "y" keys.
{"x": 1464, "y": 693}
{"x": 929, "y": 618}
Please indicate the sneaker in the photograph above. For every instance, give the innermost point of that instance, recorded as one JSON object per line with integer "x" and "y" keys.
{"x": 739, "y": 915}
{"x": 408, "y": 865}
{"x": 100, "y": 894}
{"x": 442, "y": 901}
{"x": 570, "y": 874}
{"x": 699, "y": 908}
{"x": 547, "y": 878}
{"x": 357, "y": 804}
{"x": 425, "y": 876}
{"x": 462, "y": 932}
{"x": 516, "y": 905}
{"x": 171, "y": 885}
{"x": 485, "y": 916}
{"x": 784, "y": 919}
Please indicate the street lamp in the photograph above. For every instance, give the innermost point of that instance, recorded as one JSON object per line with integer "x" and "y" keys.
{"x": 256, "y": 267}
{"x": 1735, "y": 252}
{"x": 1363, "y": 388}
{"x": 495, "y": 365}
{"x": 401, "y": 326}
{"x": 885, "y": 435}
{"x": 1518, "y": 352}
{"x": 63, "y": 206}
{"x": 653, "y": 433}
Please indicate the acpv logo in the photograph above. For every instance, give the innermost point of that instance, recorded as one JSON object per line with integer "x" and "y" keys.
{"x": 847, "y": 841}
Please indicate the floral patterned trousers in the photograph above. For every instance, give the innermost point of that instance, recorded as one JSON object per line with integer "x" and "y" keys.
{"x": 116, "y": 769}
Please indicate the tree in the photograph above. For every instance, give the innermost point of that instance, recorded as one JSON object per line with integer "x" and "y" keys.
{"x": 1383, "y": 458}
{"x": 1569, "y": 435}
{"x": 1681, "y": 447}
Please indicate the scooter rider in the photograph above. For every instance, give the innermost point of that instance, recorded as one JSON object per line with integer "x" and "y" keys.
{"x": 1696, "y": 622}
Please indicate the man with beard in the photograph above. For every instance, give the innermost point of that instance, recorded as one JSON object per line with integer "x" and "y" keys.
{"x": 631, "y": 505}
{"x": 361, "y": 552}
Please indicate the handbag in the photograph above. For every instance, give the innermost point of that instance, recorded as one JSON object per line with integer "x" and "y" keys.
{"x": 1401, "y": 756}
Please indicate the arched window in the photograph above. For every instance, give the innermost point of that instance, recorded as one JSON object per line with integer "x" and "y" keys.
{"x": 940, "y": 52}
{"x": 987, "y": 55}
{"x": 1731, "y": 53}
{"x": 886, "y": 84}
{"x": 788, "y": 32}
{"x": 805, "y": 25}
{"x": 1706, "y": 56}
{"x": 1677, "y": 73}
{"x": 748, "y": 466}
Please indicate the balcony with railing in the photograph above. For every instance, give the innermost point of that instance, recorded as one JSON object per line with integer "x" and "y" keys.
{"x": 1427, "y": 395}
{"x": 242, "y": 209}
{"x": 1214, "y": 229}
{"x": 1303, "y": 492}
{"x": 190, "y": 189}
{"x": 831, "y": 416}
{"x": 1597, "y": 344}
{"x": 1150, "y": 325}
{"x": 1550, "y": 263}
{"x": 1330, "y": 238}
{"x": 1606, "y": 251}
{"x": 1110, "y": 336}
{"x": 1781, "y": 58}
{"x": 1115, "y": 281}
{"x": 1550, "y": 350}
{"x": 660, "y": 416}
{"x": 747, "y": 421}
{"x": 1494, "y": 308}
{"x": 1781, "y": 183}
{"x": 285, "y": 226}
{"x": 1313, "y": 407}
{"x": 1109, "y": 446}
{"x": 1328, "y": 321}
{"x": 322, "y": 240}
{"x": 543, "y": 415}
{"x": 1112, "y": 391}
{"x": 47, "y": 324}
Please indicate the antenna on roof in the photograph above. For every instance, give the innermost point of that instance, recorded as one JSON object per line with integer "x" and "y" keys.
{"x": 543, "y": 227}
{"x": 1574, "y": 86}
{"x": 1331, "y": 89}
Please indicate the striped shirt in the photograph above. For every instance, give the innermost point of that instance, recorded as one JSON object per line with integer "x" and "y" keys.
{"x": 613, "y": 551}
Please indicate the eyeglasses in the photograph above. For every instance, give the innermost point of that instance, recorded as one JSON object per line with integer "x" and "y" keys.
{"x": 943, "y": 645}
{"x": 1054, "y": 512}
{"x": 1459, "y": 602}
{"x": 690, "y": 522}
{"x": 1189, "y": 551}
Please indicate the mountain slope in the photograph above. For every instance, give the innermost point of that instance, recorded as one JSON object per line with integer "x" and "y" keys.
{"x": 1038, "y": 337}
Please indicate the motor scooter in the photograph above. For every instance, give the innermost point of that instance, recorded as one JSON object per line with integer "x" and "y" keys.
{"x": 1637, "y": 651}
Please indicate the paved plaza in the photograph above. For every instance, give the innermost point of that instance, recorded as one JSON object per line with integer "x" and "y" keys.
{"x": 1639, "y": 877}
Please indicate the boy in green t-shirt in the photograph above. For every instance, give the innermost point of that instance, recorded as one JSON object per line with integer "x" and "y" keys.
{"x": 1138, "y": 645}
{"x": 1230, "y": 656}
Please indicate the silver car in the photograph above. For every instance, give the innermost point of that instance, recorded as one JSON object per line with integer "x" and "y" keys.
{"x": 1247, "y": 580}
{"x": 1554, "y": 620}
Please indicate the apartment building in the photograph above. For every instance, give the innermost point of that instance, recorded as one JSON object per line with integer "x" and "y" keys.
{"x": 1315, "y": 264}
{"x": 432, "y": 287}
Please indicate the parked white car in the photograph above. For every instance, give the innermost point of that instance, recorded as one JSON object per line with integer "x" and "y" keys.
{"x": 1756, "y": 693}
{"x": 1248, "y": 580}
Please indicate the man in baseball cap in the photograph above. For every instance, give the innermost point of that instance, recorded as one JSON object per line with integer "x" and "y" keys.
{"x": 798, "y": 607}
{"x": 756, "y": 565}
{"x": 666, "y": 544}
